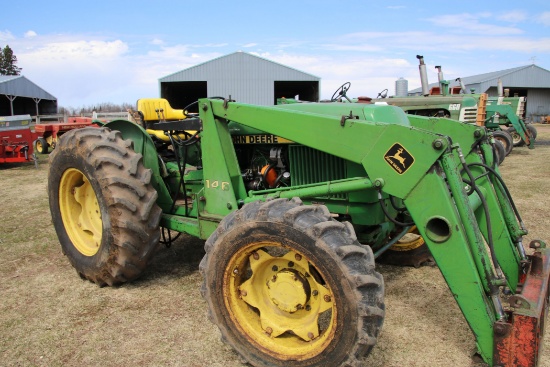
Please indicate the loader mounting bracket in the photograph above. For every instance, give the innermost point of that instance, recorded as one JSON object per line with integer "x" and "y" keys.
{"x": 518, "y": 340}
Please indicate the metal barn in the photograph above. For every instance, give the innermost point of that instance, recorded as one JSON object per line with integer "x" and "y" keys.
{"x": 245, "y": 77}
{"x": 20, "y": 96}
{"x": 531, "y": 81}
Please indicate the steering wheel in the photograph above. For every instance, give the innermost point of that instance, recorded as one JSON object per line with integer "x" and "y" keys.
{"x": 341, "y": 92}
{"x": 383, "y": 94}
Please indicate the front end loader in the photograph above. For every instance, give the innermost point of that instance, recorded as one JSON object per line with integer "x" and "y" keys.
{"x": 296, "y": 202}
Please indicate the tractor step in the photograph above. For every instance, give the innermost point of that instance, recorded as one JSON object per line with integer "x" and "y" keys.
{"x": 518, "y": 340}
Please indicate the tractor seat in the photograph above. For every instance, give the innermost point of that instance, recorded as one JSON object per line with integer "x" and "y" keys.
{"x": 158, "y": 109}
{"x": 154, "y": 111}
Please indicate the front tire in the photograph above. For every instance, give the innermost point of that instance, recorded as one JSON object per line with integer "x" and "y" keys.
{"x": 103, "y": 205}
{"x": 500, "y": 152}
{"x": 41, "y": 146}
{"x": 289, "y": 286}
{"x": 532, "y": 131}
{"x": 516, "y": 137}
{"x": 506, "y": 139}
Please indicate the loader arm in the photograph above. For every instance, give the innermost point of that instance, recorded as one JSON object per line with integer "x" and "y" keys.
{"x": 441, "y": 169}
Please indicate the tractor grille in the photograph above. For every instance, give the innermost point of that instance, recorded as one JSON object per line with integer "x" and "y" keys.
{"x": 308, "y": 166}
{"x": 469, "y": 114}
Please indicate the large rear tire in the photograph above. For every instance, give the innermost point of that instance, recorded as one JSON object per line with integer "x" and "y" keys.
{"x": 103, "y": 205}
{"x": 289, "y": 286}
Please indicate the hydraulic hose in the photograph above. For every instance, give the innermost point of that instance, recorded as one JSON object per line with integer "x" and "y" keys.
{"x": 387, "y": 214}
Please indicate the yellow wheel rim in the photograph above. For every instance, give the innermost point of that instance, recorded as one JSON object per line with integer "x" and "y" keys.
{"x": 278, "y": 299}
{"x": 39, "y": 146}
{"x": 80, "y": 212}
{"x": 410, "y": 241}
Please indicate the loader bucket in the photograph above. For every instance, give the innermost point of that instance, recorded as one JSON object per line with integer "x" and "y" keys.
{"x": 518, "y": 340}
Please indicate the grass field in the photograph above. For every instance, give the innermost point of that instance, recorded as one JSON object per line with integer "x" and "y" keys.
{"x": 50, "y": 317}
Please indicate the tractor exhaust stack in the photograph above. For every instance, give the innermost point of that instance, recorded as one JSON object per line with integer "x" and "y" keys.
{"x": 500, "y": 88}
{"x": 423, "y": 75}
{"x": 462, "y": 86}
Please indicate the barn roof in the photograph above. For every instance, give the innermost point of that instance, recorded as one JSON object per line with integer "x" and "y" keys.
{"x": 530, "y": 76}
{"x": 20, "y": 86}
{"x": 239, "y": 60}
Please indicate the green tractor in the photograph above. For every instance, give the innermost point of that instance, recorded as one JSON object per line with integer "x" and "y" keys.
{"x": 508, "y": 111}
{"x": 296, "y": 204}
{"x": 501, "y": 115}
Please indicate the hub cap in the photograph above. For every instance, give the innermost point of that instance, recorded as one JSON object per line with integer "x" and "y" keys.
{"x": 80, "y": 212}
{"x": 280, "y": 301}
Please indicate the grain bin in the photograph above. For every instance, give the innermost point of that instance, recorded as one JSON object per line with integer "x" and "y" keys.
{"x": 401, "y": 87}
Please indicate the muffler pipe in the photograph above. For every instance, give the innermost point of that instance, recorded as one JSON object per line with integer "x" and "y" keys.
{"x": 500, "y": 88}
{"x": 442, "y": 85}
{"x": 423, "y": 75}
{"x": 462, "y": 86}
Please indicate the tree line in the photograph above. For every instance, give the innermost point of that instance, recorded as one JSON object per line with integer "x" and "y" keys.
{"x": 99, "y": 108}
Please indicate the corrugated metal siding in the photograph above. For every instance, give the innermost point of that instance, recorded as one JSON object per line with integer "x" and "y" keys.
{"x": 529, "y": 77}
{"x": 247, "y": 78}
{"x": 538, "y": 103}
{"x": 22, "y": 87}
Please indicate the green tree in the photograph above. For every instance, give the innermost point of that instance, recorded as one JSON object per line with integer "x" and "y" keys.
{"x": 8, "y": 62}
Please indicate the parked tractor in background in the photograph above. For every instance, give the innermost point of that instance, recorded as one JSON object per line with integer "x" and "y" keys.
{"x": 501, "y": 115}
{"x": 296, "y": 202}
{"x": 509, "y": 111}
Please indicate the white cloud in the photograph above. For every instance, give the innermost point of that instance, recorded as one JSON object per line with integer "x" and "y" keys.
{"x": 30, "y": 34}
{"x": 6, "y": 36}
{"x": 157, "y": 41}
{"x": 248, "y": 45}
{"x": 470, "y": 23}
{"x": 544, "y": 18}
{"x": 514, "y": 16}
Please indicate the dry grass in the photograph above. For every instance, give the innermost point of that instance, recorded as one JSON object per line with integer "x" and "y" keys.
{"x": 49, "y": 317}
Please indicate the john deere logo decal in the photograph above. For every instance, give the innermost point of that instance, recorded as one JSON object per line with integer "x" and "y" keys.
{"x": 399, "y": 159}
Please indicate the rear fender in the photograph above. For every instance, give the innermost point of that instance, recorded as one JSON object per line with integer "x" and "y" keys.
{"x": 144, "y": 145}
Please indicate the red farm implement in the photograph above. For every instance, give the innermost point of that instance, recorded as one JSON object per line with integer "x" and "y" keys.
{"x": 16, "y": 139}
{"x": 49, "y": 132}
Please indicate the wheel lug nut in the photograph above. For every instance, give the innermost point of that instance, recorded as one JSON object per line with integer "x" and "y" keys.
{"x": 310, "y": 335}
{"x": 243, "y": 293}
{"x": 268, "y": 330}
{"x": 298, "y": 257}
{"x": 275, "y": 268}
{"x": 290, "y": 264}
{"x": 315, "y": 293}
{"x": 327, "y": 298}
{"x": 255, "y": 255}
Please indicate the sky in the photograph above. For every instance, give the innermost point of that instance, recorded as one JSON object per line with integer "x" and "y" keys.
{"x": 115, "y": 51}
